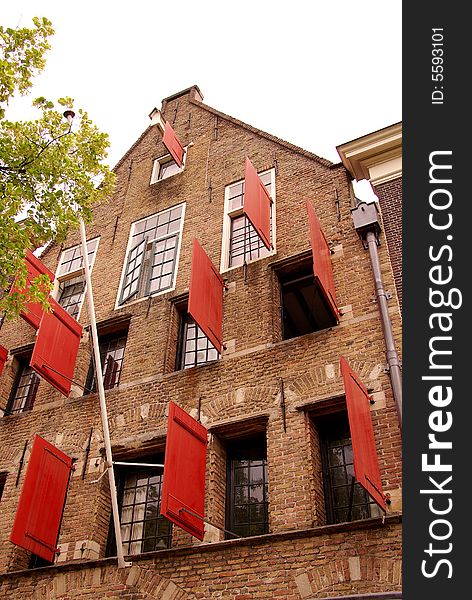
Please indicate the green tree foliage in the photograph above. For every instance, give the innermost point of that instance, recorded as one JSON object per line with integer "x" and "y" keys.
{"x": 51, "y": 172}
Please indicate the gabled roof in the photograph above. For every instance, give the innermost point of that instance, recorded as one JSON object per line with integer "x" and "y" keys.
{"x": 268, "y": 136}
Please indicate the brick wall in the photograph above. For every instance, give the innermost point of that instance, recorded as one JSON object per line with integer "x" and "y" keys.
{"x": 390, "y": 198}
{"x": 239, "y": 395}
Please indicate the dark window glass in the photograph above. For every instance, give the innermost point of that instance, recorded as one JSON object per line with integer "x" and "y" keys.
{"x": 36, "y": 562}
{"x": 196, "y": 348}
{"x": 24, "y": 389}
{"x": 112, "y": 350}
{"x": 142, "y": 527}
{"x": 71, "y": 295}
{"x": 3, "y": 479}
{"x": 247, "y": 506}
{"x": 344, "y": 501}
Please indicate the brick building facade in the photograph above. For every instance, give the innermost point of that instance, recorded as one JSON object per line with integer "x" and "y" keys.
{"x": 279, "y": 459}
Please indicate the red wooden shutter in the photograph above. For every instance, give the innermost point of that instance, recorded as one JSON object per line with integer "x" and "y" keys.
{"x": 172, "y": 143}
{"x": 257, "y": 203}
{"x": 322, "y": 268}
{"x": 184, "y": 472}
{"x": 33, "y": 311}
{"x": 56, "y": 348}
{"x": 366, "y": 464}
{"x": 39, "y": 513}
{"x": 205, "y": 303}
{"x": 3, "y": 358}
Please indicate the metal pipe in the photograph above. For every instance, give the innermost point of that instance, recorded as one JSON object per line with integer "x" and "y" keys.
{"x": 103, "y": 407}
{"x": 392, "y": 356}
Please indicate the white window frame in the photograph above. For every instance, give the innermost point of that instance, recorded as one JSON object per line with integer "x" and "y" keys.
{"x": 161, "y": 160}
{"x": 228, "y": 214}
{"x": 149, "y": 241}
{"x": 60, "y": 278}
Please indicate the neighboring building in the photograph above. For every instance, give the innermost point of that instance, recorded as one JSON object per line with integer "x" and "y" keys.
{"x": 279, "y": 460}
{"x": 377, "y": 157}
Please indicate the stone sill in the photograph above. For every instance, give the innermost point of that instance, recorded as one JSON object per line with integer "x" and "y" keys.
{"x": 268, "y": 538}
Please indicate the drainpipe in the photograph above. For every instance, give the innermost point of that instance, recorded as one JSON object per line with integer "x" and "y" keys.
{"x": 366, "y": 222}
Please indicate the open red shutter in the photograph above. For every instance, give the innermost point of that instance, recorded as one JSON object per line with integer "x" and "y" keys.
{"x": 172, "y": 143}
{"x": 184, "y": 472}
{"x": 366, "y": 464}
{"x": 257, "y": 203}
{"x": 39, "y": 513}
{"x": 322, "y": 268}
{"x": 56, "y": 348}
{"x": 3, "y": 358}
{"x": 205, "y": 303}
{"x": 33, "y": 311}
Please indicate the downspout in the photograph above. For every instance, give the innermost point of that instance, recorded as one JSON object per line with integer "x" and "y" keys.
{"x": 366, "y": 222}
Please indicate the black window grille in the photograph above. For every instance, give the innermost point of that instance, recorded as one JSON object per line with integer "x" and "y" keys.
{"x": 112, "y": 350}
{"x": 244, "y": 242}
{"x": 195, "y": 347}
{"x": 344, "y": 501}
{"x": 72, "y": 294}
{"x": 247, "y": 497}
{"x": 24, "y": 388}
{"x": 143, "y": 529}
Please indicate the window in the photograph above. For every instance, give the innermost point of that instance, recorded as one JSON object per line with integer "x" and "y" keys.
{"x": 344, "y": 501}
{"x": 142, "y": 527}
{"x": 152, "y": 257}
{"x": 165, "y": 167}
{"x": 112, "y": 349}
{"x": 241, "y": 243}
{"x": 3, "y": 480}
{"x": 194, "y": 347}
{"x": 24, "y": 388}
{"x": 70, "y": 286}
{"x": 247, "y": 498}
{"x": 304, "y": 308}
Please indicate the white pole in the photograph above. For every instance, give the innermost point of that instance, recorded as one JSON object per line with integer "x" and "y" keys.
{"x": 103, "y": 407}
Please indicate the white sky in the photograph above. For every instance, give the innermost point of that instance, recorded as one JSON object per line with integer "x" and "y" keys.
{"x": 316, "y": 74}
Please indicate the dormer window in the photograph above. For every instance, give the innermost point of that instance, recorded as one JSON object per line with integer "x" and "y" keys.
{"x": 164, "y": 167}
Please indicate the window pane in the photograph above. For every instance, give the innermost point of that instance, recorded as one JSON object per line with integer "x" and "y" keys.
{"x": 24, "y": 392}
{"x": 71, "y": 259}
{"x": 145, "y": 530}
{"x": 248, "y": 504}
{"x": 196, "y": 347}
{"x": 71, "y": 295}
{"x": 338, "y": 466}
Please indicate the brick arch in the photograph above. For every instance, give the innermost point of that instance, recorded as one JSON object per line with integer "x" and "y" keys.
{"x": 316, "y": 383}
{"x": 154, "y": 410}
{"x": 133, "y": 583}
{"x": 255, "y": 397}
{"x": 355, "y": 574}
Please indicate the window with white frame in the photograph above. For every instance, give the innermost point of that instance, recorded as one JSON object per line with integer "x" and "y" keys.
{"x": 241, "y": 242}
{"x": 70, "y": 287}
{"x": 152, "y": 256}
{"x": 165, "y": 167}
